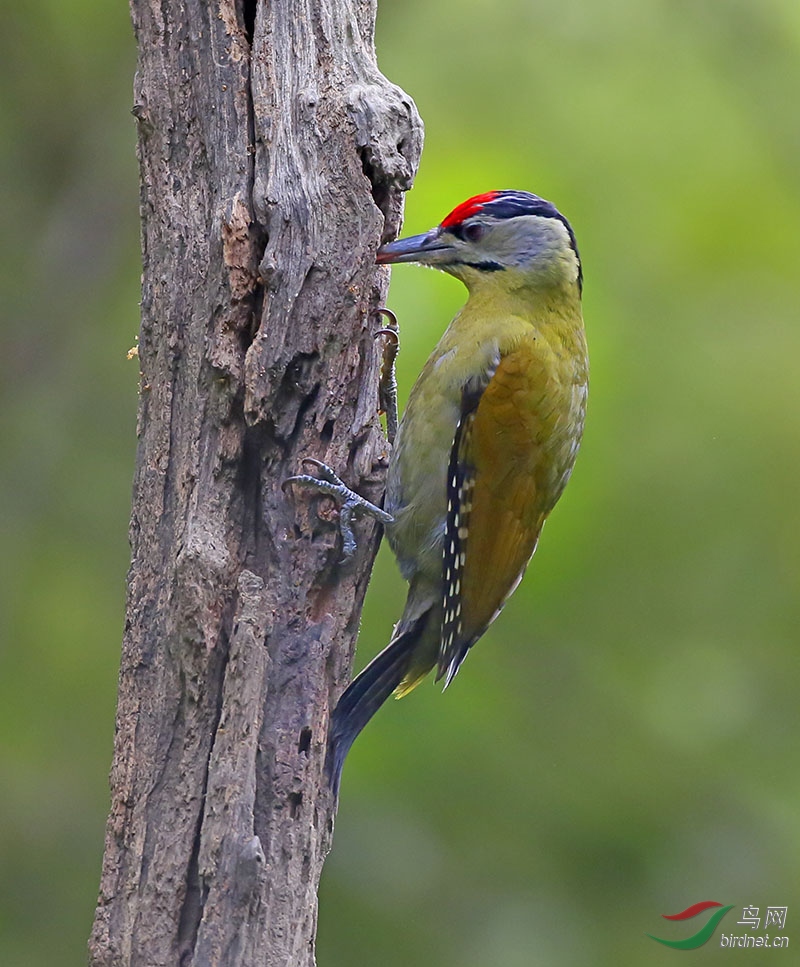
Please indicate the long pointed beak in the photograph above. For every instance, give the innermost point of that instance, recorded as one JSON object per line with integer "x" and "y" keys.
{"x": 415, "y": 248}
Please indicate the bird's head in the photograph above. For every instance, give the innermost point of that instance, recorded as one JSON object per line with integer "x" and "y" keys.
{"x": 513, "y": 237}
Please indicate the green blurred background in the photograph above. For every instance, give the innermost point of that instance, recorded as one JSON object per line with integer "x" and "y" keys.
{"x": 624, "y": 741}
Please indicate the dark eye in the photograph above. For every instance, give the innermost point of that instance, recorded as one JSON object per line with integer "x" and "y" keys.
{"x": 474, "y": 232}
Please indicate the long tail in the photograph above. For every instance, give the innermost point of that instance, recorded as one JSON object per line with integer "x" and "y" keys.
{"x": 365, "y": 695}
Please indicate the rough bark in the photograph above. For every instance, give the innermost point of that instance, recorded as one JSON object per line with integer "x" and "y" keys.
{"x": 273, "y": 155}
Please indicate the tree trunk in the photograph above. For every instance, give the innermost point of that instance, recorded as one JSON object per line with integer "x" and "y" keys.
{"x": 273, "y": 155}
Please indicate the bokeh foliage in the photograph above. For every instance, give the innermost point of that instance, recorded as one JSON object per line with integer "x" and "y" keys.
{"x": 624, "y": 740}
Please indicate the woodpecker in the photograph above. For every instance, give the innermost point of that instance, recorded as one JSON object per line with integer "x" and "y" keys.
{"x": 486, "y": 444}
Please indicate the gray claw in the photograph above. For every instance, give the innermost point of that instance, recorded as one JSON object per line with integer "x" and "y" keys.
{"x": 351, "y": 505}
{"x": 387, "y": 388}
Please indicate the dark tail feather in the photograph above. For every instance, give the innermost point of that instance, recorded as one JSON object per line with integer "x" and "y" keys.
{"x": 364, "y": 696}
{"x": 451, "y": 661}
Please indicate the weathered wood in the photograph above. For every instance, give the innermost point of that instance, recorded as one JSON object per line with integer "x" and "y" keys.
{"x": 273, "y": 155}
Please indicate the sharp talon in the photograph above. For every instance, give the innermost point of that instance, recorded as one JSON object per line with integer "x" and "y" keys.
{"x": 324, "y": 472}
{"x": 383, "y": 311}
{"x": 389, "y": 332}
{"x": 387, "y": 386}
{"x": 301, "y": 478}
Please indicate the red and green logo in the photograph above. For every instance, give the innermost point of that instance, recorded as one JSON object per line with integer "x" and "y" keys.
{"x": 705, "y": 932}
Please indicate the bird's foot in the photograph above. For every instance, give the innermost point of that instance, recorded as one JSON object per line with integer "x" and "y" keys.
{"x": 387, "y": 388}
{"x": 351, "y": 505}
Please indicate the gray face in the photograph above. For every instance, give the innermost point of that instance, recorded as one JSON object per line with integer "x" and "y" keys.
{"x": 530, "y": 247}
{"x": 522, "y": 243}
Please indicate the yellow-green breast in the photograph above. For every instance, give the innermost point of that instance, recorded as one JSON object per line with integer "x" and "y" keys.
{"x": 527, "y": 430}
